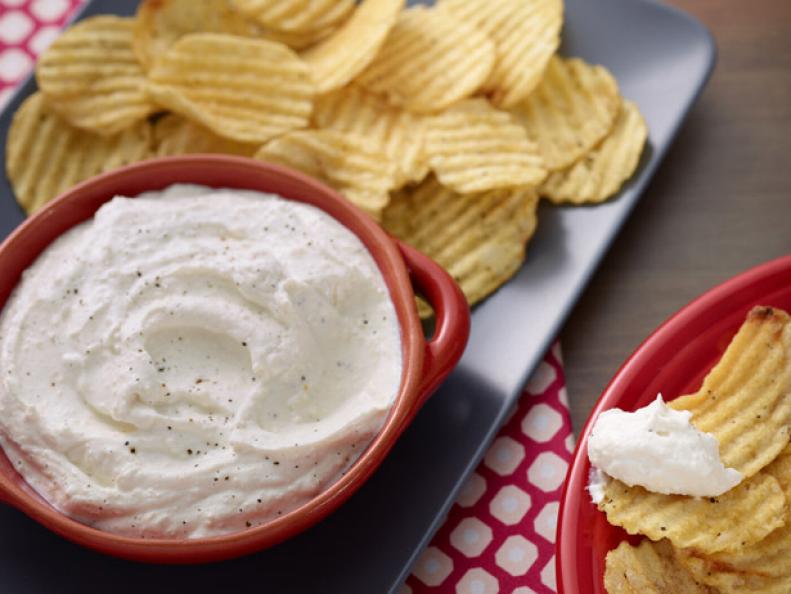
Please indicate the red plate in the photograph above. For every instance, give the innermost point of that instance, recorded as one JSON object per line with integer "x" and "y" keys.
{"x": 673, "y": 361}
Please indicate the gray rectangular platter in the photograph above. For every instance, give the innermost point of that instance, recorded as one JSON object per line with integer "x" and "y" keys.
{"x": 662, "y": 59}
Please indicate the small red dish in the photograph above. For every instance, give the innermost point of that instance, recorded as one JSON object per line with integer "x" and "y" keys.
{"x": 673, "y": 361}
{"x": 425, "y": 362}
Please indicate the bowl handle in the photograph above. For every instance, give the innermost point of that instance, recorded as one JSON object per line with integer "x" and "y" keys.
{"x": 452, "y": 326}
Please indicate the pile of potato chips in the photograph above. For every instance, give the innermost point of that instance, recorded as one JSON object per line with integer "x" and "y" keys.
{"x": 740, "y": 541}
{"x": 447, "y": 123}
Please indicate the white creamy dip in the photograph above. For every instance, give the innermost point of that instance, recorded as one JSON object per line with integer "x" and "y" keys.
{"x": 658, "y": 448}
{"x": 597, "y": 482}
{"x": 194, "y": 362}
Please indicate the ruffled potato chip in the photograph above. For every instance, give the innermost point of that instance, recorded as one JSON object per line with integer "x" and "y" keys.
{"x": 745, "y": 400}
{"x": 91, "y": 77}
{"x": 742, "y": 516}
{"x": 600, "y": 174}
{"x": 160, "y": 23}
{"x": 478, "y": 238}
{"x": 45, "y": 156}
{"x": 398, "y": 132}
{"x": 356, "y": 167}
{"x": 429, "y": 60}
{"x": 248, "y": 90}
{"x": 571, "y": 110}
{"x": 525, "y": 33}
{"x": 473, "y": 147}
{"x": 338, "y": 59}
{"x": 649, "y": 568}
{"x": 764, "y": 567}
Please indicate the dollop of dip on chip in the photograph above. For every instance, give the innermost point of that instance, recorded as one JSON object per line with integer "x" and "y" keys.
{"x": 195, "y": 361}
{"x": 658, "y": 448}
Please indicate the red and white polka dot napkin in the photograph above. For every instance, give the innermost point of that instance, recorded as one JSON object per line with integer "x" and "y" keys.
{"x": 27, "y": 27}
{"x": 500, "y": 534}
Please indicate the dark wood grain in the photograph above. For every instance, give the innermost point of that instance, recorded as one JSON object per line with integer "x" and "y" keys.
{"x": 719, "y": 204}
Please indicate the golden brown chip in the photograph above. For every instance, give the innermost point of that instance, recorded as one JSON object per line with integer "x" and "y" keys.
{"x": 474, "y": 147}
{"x": 159, "y": 23}
{"x": 602, "y": 172}
{"x": 174, "y": 135}
{"x": 526, "y": 35}
{"x": 296, "y": 15}
{"x": 341, "y": 57}
{"x": 45, "y": 156}
{"x": 429, "y": 60}
{"x": 398, "y": 132}
{"x": 91, "y": 76}
{"x": 248, "y": 90}
{"x": 357, "y": 168}
{"x": 478, "y": 238}
{"x": 764, "y": 567}
{"x": 745, "y": 400}
{"x": 649, "y": 568}
{"x": 730, "y": 580}
{"x": 571, "y": 110}
{"x": 742, "y": 516}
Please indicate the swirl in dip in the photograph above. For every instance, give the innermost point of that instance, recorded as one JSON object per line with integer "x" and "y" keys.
{"x": 195, "y": 362}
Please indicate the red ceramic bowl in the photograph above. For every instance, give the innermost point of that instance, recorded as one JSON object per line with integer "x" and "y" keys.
{"x": 673, "y": 361}
{"x": 425, "y": 363}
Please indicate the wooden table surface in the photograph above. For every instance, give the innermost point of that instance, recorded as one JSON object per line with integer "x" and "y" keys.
{"x": 719, "y": 204}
